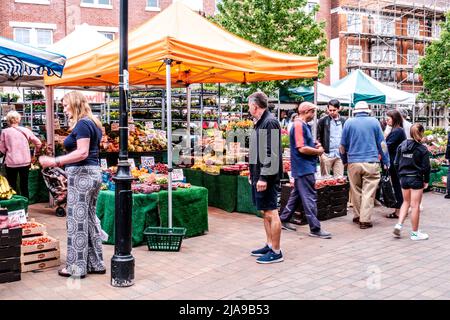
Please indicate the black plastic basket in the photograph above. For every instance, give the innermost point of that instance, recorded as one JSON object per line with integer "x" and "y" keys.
{"x": 164, "y": 239}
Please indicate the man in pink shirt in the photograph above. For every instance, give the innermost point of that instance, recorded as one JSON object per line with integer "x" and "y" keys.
{"x": 14, "y": 144}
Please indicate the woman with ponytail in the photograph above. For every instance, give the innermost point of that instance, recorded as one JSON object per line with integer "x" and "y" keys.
{"x": 413, "y": 166}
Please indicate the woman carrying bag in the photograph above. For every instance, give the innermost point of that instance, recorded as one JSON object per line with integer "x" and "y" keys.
{"x": 15, "y": 145}
{"x": 393, "y": 140}
{"x": 413, "y": 165}
{"x": 84, "y": 243}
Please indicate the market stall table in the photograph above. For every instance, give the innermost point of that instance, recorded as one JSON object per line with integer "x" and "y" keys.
{"x": 190, "y": 210}
{"x": 37, "y": 189}
{"x": 244, "y": 199}
{"x": 15, "y": 203}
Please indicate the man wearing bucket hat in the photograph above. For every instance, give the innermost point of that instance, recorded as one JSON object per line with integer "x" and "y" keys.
{"x": 362, "y": 144}
{"x": 304, "y": 156}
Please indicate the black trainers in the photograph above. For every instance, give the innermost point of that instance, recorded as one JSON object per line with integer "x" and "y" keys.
{"x": 320, "y": 234}
{"x": 270, "y": 257}
{"x": 288, "y": 226}
{"x": 261, "y": 252}
{"x": 447, "y": 196}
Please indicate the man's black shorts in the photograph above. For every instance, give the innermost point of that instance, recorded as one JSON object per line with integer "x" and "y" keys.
{"x": 412, "y": 182}
{"x": 267, "y": 199}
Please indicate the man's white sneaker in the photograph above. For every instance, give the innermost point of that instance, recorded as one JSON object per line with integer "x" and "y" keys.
{"x": 397, "y": 230}
{"x": 418, "y": 236}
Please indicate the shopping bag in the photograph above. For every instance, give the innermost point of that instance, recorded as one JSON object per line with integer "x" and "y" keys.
{"x": 385, "y": 192}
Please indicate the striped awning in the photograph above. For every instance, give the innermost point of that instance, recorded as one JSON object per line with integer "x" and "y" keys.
{"x": 19, "y": 60}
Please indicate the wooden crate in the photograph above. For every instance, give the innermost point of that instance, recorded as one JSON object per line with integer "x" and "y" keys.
{"x": 40, "y": 256}
{"x": 38, "y": 230}
{"x": 54, "y": 244}
{"x": 38, "y": 265}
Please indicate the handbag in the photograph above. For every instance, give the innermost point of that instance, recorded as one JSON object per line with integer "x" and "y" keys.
{"x": 386, "y": 193}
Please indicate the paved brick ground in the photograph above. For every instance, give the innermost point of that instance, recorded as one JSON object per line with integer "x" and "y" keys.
{"x": 355, "y": 264}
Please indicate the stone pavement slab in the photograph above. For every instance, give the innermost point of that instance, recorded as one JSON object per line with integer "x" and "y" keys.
{"x": 355, "y": 264}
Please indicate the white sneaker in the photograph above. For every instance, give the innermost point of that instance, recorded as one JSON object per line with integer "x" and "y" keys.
{"x": 418, "y": 236}
{"x": 397, "y": 229}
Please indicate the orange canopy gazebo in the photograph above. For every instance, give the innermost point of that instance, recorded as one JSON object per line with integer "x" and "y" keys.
{"x": 178, "y": 46}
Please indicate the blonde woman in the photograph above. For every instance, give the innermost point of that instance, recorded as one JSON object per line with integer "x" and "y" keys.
{"x": 84, "y": 244}
{"x": 15, "y": 145}
{"x": 413, "y": 166}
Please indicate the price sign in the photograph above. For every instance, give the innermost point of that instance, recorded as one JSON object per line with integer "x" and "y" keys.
{"x": 149, "y": 125}
{"x": 17, "y": 216}
{"x": 115, "y": 126}
{"x": 131, "y": 127}
{"x": 103, "y": 164}
{"x": 147, "y": 162}
{"x": 132, "y": 163}
{"x": 177, "y": 175}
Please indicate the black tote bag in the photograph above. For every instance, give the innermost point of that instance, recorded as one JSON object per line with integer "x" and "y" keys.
{"x": 386, "y": 193}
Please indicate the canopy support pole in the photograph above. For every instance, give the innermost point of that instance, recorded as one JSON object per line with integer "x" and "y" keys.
{"x": 50, "y": 116}
{"x": 279, "y": 111}
{"x": 219, "y": 120}
{"x": 122, "y": 262}
{"x": 315, "y": 112}
{"x": 188, "y": 96}
{"x": 168, "y": 63}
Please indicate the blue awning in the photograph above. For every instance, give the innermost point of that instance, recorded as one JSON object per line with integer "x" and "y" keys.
{"x": 18, "y": 60}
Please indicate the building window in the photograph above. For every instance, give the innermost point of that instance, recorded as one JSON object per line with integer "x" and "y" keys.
{"x": 33, "y": 1}
{"x": 384, "y": 55}
{"x": 103, "y": 4}
{"x": 436, "y": 30}
{"x": 22, "y": 35}
{"x": 354, "y": 22}
{"x": 354, "y": 54}
{"x": 40, "y": 38}
{"x": 310, "y": 6}
{"x": 109, "y": 35}
{"x": 153, "y": 3}
{"x": 412, "y": 76}
{"x": 413, "y": 27}
{"x": 384, "y": 26}
{"x": 196, "y": 5}
{"x": 44, "y": 37}
{"x": 412, "y": 57}
{"x": 383, "y": 75}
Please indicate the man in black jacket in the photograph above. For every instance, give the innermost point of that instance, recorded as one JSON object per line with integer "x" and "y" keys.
{"x": 447, "y": 156}
{"x": 329, "y": 133}
{"x": 265, "y": 174}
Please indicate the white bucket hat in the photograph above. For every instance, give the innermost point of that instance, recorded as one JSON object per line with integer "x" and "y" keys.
{"x": 361, "y": 106}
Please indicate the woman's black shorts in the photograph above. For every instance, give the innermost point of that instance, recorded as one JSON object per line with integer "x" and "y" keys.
{"x": 411, "y": 182}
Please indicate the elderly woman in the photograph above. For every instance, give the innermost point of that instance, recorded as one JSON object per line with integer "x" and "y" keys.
{"x": 15, "y": 145}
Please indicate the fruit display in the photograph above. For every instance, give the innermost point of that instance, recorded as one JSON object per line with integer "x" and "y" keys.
{"x": 35, "y": 241}
{"x": 136, "y": 173}
{"x": 160, "y": 168}
{"x": 321, "y": 183}
{"x": 139, "y": 140}
{"x": 6, "y": 192}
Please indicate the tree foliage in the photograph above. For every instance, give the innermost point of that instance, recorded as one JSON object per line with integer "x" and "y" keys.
{"x": 282, "y": 25}
{"x": 434, "y": 67}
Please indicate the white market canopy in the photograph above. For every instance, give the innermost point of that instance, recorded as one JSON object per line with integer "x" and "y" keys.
{"x": 358, "y": 86}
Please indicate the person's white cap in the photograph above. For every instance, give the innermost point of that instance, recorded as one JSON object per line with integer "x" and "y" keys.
{"x": 361, "y": 106}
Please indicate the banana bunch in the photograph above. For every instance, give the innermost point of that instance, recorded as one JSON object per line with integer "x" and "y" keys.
{"x": 6, "y": 192}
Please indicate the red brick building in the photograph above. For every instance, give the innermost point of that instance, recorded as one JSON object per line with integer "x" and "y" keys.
{"x": 385, "y": 38}
{"x": 43, "y": 22}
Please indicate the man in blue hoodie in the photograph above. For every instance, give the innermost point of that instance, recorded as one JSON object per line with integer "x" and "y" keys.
{"x": 362, "y": 144}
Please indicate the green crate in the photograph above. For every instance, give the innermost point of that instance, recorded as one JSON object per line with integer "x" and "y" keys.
{"x": 164, "y": 239}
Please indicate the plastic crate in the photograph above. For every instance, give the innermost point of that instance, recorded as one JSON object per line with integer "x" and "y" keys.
{"x": 164, "y": 239}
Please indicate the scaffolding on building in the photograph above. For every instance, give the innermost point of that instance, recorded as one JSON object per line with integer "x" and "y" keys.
{"x": 386, "y": 38}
